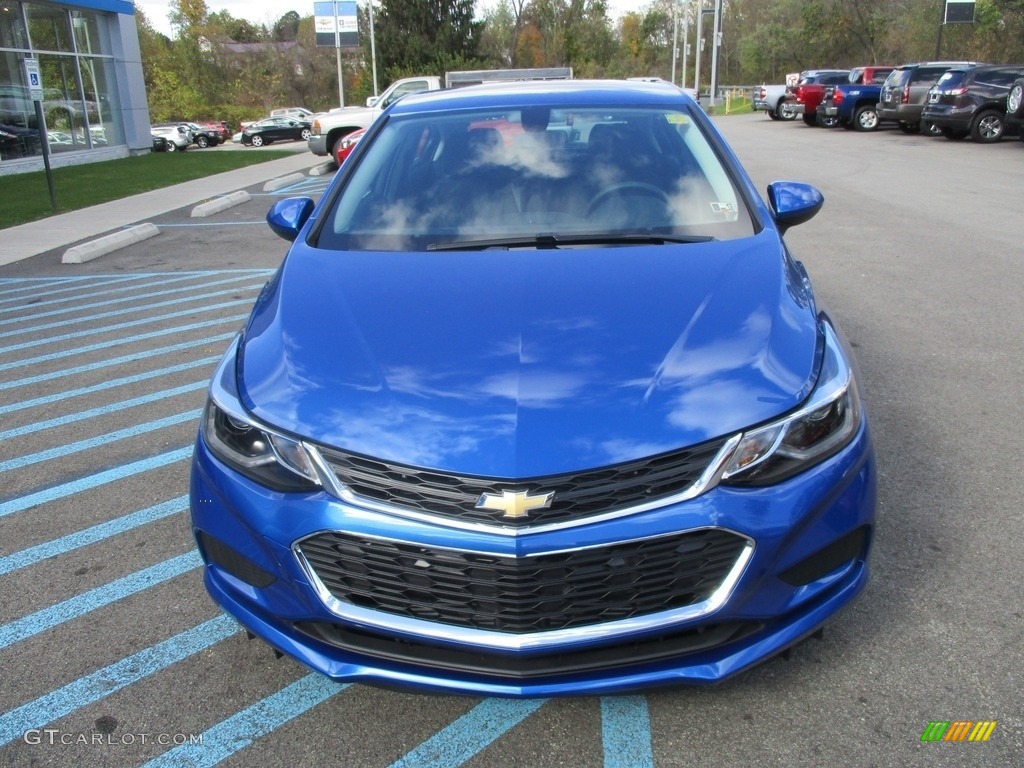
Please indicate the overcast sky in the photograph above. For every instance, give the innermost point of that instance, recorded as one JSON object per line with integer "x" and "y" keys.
{"x": 269, "y": 11}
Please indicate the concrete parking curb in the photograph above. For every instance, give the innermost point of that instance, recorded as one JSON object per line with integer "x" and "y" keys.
{"x": 284, "y": 181}
{"x": 220, "y": 204}
{"x": 93, "y": 249}
{"x": 323, "y": 169}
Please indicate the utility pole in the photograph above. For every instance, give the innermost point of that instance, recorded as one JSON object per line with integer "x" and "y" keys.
{"x": 716, "y": 42}
{"x": 675, "y": 38}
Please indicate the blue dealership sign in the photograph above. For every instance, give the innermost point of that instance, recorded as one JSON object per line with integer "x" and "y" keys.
{"x": 959, "y": 12}
{"x": 336, "y": 24}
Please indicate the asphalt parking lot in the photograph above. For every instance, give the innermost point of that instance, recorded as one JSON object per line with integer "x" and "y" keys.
{"x": 112, "y": 654}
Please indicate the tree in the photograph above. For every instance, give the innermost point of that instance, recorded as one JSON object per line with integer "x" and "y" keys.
{"x": 427, "y": 36}
{"x": 286, "y": 29}
{"x": 187, "y": 14}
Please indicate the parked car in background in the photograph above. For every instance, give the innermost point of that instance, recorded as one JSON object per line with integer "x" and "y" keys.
{"x": 558, "y": 416}
{"x": 178, "y": 136}
{"x": 299, "y": 113}
{"x": 810, "y": 90}
{"x": 776, "y": 100}
{"x": 221, "y": 127}
{"x": 204, "y": 137}
{"x": 271, "y": 129}
{"x": 159, "y": 143}
{"x": 971, "y": 101}
{"x": 905, "y": 90}
{"x": 60, "y": 138}
{"x": 854, "y": 104}
{"x": 1015, "y": 108}
{"x": 343, "y": 148}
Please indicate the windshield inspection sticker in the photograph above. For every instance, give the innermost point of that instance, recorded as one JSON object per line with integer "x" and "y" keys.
{"x": 724, "y": 210}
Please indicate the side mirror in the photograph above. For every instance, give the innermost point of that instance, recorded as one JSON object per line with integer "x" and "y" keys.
{"x": 793, "y": 203}
{"x": 288, "y": 216}
{"x": 372, "y": 100}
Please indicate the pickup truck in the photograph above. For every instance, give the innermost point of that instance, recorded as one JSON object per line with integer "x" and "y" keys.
{"x": 811, "y": 89}
{"x": 855, "y": 104}
{"x": 329, "y": 128}
{"x": 776, "y": 100}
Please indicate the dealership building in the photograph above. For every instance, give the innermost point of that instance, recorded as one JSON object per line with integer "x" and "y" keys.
{"x": 87, "y": 59}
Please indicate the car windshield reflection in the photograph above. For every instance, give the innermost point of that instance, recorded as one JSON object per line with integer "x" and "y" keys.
{"x": 534, "y": 173}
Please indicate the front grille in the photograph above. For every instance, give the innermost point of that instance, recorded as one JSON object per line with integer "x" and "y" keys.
{"x": 438, "y": 658}
{"x": 576, "y": 495}
{"x": 522, "y": 595}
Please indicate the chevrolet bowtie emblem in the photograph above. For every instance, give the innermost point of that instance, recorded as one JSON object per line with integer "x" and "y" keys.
{"x": 514, "y": 504}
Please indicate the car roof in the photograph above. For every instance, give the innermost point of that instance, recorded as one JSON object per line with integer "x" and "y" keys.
{"x": 556, "y": 93}
{"x": 949, "y": 64}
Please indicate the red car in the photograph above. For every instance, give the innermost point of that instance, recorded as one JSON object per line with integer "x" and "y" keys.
{"x": 221, "y": 127}
{"x": 343, "y": 148}
{"x": 811, "y": 89}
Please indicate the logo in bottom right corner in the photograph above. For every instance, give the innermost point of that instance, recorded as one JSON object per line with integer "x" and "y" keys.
{"x": 959, "y": 730}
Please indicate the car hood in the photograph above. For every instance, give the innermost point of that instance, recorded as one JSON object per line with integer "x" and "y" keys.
{"x": 519, "y": 364}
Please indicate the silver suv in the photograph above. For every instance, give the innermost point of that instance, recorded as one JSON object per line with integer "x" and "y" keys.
{"x": 905, "y": 90}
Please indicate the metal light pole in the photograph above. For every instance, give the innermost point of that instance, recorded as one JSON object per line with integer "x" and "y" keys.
{"x": 716, "y": 42}
{"x": 675, "y": 38}
{"x": 700, "y": 45}
{"x": 337, "y": 51}
{"x": 373, "y": 50}
{"x": 686, "y": 31}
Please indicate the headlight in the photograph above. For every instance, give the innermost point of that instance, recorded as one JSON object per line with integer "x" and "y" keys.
{"x": 261, "y": 454}
{"x": 823, "y": 426}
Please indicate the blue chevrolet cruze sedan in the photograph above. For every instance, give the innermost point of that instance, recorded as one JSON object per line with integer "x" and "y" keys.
{"x": 538, "y": 403}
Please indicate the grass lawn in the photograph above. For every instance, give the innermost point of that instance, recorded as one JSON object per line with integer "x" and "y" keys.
{"x": 26, "y": 197}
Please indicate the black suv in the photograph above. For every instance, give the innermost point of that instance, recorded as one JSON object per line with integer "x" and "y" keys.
{"x": 905, "y": 90}
{"x": 972, "y": 101}
{"x": 204, "y": 137}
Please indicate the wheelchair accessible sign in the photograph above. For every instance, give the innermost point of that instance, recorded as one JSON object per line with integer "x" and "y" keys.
{"x": 34, "y": 79}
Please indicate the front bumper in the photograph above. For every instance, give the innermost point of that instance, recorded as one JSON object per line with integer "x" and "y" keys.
{"x": 795, "y": 578}
{"x": 317, "y": 144}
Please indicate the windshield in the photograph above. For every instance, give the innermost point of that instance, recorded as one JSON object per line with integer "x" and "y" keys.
{"x": 430, "y": 181}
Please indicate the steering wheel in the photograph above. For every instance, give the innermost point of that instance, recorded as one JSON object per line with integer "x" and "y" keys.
{"x": 626, "y": 188}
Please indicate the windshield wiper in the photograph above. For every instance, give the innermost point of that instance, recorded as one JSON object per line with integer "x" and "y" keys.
{"x": 553, "y": 241}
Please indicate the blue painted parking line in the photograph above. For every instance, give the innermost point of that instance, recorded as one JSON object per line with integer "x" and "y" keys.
{"x": 179, "y": 329}
{"x": 77, "y": 606}
{"x": 470, "y": 734}
{"x": 104, "y": 682}
{"x": 132, "y": 311}
{"x": 91, "y": 535}
{"x": 135, "y": 297}
{"x": 215, "y": 224}
{"x": 65, "y": 288}
{"x": 94, "y": 442}
{"x": 119, "y": 288}
{"x": 626, "y": 732}
{"x": 103, "y": 410}
{"x": 243, "y": 728}
{"x": 119, "y": 326}
{"x": 21, "y": 503}
{"x": 110, "y": 384}
{"x": 306, "y": 187}
{"x": 115, "y": 361}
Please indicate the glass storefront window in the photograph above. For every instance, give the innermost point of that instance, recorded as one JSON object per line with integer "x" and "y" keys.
{"x": 63, "y": 107}
{"x": 88, "y": 36}
{"x": 12, "y": 27}
{"x": 101, "y": 101}
{"x": 80, "y": 104}
{"x": 48, "y": 28}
